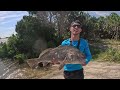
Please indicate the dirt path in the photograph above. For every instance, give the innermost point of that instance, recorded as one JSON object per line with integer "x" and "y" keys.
{"x": 94, "y": 70}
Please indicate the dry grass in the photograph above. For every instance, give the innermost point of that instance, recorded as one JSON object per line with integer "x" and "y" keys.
{"x": 28, "y": 73}
{"x": 94, "y": 70}
{"x": 35, "y": 73}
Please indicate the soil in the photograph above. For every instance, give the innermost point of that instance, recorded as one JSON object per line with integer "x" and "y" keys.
{"x": 94, "y": 70}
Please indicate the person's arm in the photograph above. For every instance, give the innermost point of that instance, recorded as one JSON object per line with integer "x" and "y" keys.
{"x": 87, "y": 54}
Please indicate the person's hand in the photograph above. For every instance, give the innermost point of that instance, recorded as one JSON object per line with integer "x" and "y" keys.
{"x": 83, "y": 64}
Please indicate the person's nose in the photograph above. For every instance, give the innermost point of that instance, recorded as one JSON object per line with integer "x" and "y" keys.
{"x": 76, "y": 26}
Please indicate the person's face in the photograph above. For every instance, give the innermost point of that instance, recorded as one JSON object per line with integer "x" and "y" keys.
{"x": 75, "y": 29}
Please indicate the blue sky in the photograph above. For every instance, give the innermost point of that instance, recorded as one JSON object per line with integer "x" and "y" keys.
{"x": 102, "y": 13}
{"x": 8, "y": 20}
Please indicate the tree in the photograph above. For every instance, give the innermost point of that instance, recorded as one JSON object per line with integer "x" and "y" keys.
{"x": 113, "y": 22}
{"x": 34, "y": 33}
{"x": 3, "y": 50}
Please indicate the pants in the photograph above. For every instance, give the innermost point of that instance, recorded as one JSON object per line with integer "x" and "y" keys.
{"x": 77, "y": 74}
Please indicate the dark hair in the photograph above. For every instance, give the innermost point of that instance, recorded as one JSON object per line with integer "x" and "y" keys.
{"x": 76, "y": 22}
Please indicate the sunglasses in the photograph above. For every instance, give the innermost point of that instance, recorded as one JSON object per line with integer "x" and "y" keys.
{"x": 78, "y": 26}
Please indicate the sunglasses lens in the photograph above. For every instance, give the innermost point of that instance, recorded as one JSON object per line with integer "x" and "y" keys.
{"x": 76, "y": 25}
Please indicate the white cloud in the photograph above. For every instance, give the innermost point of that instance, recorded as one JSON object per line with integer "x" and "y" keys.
{"x": 11, "y": 14}
{"x": 6, "y": 32}
{"x": 8, "y": 20}
{"x": 11, "y": 20}
{"x": 102, "y": 13}
{"x": 3, "y": 13}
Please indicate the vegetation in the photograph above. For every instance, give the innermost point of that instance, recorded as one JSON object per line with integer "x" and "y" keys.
{"x": 109, "y": 52}
{"x": 112, "y": 55}
{"x": 44, "y": 29}
{"x": 20, "y": 58}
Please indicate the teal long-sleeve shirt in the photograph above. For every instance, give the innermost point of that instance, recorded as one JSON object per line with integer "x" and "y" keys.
{"x": 83, "y": 47}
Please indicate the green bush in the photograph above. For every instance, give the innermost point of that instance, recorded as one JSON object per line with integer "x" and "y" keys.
{"x": 20, "y": 57}
{"x": 95, "y": 51}
{"x": 50, "y": 44}
{"x": 112, "y": 55}
{"x": 3, "y": 50}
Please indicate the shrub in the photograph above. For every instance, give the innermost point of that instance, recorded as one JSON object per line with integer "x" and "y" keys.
{"x": 111, "y": 54}
{"x": 20, "y": 57}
